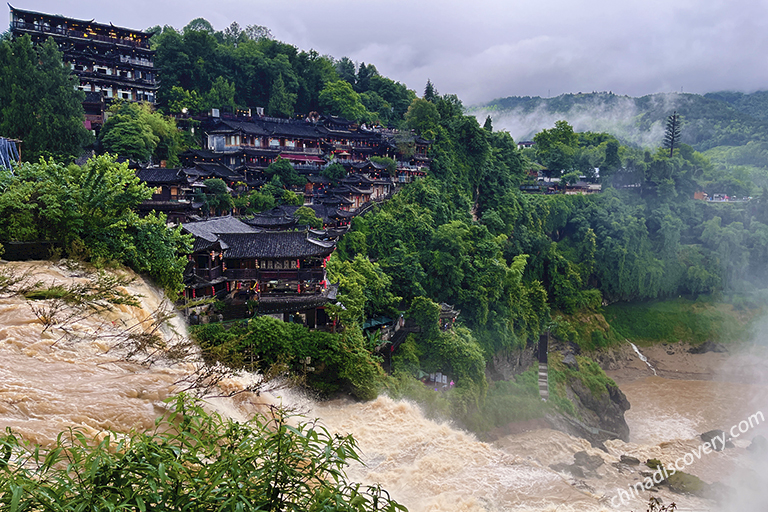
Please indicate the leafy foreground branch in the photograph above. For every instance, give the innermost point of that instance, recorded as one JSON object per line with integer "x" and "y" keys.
{"x": 192, "y": 461}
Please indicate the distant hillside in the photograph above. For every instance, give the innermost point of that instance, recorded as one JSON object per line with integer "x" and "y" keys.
{"x": 755, "y": 104}
{"x": 719, "y": 119}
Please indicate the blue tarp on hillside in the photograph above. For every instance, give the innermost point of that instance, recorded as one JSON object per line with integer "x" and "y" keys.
{"x": 377, "y": 321}
{"x": 8, "y": 152}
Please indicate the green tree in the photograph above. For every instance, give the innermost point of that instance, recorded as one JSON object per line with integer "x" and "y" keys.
{"x": 364, "y": 289}
{"x": 135, "y": 131}
{"x": 672, "y": 133}
{"x": 556, "y": 147}
{"x": 488, "y": 125}
{"x": 391, "y": 165}
{"x": 290, "y": 197}
{"x": 183, "y": 101}
{"x": 280, "y": 100}
{"x": 253, "y": 202}
{"x": 423, "y": 117}
{"x": 339, "y": 99}
{"x": 306, "y": 216}
{"x": 199, "y": 25}
{"x": 345, "y": 68}
{"x": 40, "y": 101}
{"x": 376, "y": 105}
{"x": 285, "y": 173}
{"x": 430, "y": 93}
{"x": 334, "y": 172}
{"x": 221, "y": 94}
{"x": 88, "y": 210}
{"x": 314, "y": 71}
{"x": 364, "y": 75}
{"x": 395, "y": 94}
{"x": 217, "y": 197}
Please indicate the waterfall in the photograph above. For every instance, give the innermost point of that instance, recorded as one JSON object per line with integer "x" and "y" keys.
{"x": 643, "y": 358}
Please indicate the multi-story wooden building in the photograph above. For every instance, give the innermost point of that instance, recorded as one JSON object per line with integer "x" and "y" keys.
{"x": 110, "y": 62}
{"x": 281, "y": 273}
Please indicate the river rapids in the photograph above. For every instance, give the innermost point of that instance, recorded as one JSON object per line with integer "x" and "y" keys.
{"x": 74, "y": 375}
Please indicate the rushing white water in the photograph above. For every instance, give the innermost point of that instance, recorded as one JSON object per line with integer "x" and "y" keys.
{"x": 49, "y": 383}
{"x": 642, "y": 357}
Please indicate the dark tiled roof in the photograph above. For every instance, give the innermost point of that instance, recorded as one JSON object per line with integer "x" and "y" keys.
{"x": 357, "y": 179}
{"x": 342, "y": 214}
{"x": 161, "y": 175}
{"x": 201, "y": 153}
{"x": 261, "y": 152}
{"x": 346, "y": 189}
{"x": 210, "y": 229}
{"x": 293, "y": 129}
{"x": 369, "y": 164}
{"x": 219, "y": 171}
{"x": 245, "y": 127}
{"x": 338, "y": 120}
{"x": 268, "y": 127}
{"x": 271, "y": 221}
{"x": 201, "y": 244}
{"x": 275, "y": 244}
{"x": 286, "y": 303}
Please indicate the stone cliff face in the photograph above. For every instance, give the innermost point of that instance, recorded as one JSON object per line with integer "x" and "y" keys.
{"x": 505, "y": 364}
{"x": 599, "y": 416}
{"x": 602, "y": 416}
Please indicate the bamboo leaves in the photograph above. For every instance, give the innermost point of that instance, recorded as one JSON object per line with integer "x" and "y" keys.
{"x": 191, "y": 461}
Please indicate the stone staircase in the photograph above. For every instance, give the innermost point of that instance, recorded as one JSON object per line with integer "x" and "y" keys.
{"x": 543, "y": 382}
{"x": 542, "y": 350}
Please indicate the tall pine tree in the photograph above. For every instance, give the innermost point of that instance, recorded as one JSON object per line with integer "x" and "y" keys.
{"x": 672, "y": 133}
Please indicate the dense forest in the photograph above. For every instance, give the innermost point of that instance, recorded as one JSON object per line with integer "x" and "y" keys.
{"x": 514, "y": 264}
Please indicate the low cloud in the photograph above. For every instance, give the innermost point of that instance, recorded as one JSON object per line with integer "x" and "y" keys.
{"x": 490, "y": 48}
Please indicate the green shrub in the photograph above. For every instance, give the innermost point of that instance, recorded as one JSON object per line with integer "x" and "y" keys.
{"x": 192, "y": 460}
{"x": 338, "y": 362}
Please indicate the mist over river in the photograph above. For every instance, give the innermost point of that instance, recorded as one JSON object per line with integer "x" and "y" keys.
{"x": 49, "y": 382}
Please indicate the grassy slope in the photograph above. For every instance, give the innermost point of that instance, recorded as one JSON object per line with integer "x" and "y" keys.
{"x": 679, "y": 320}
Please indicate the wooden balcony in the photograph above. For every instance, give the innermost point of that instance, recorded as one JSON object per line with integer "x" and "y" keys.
{"x": 251, "y": 274}
{"x": 209, "y": 273}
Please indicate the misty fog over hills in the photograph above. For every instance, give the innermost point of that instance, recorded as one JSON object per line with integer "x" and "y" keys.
{"x": 709, "y": 121}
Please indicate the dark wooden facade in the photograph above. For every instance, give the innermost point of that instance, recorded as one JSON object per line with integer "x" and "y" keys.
{"x": 112, "y": 62}
{"x": 278, "y": 272}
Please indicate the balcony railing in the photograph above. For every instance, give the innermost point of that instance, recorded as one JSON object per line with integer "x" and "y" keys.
{"x": 241, "y": 274}
{"x": 246, "y": 274}
{"x": 21, "y": 25}
{"x": 208, "y": 273}
{"x": 310, "y": 167}
{"x": 294, "y": 150}
{"x": 138, "y": 62}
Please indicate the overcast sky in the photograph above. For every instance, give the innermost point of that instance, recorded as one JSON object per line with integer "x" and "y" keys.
{"x": 486, "y": 49}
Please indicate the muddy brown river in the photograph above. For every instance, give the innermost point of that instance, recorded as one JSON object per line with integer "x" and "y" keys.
{"x": 49, "y": 382}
